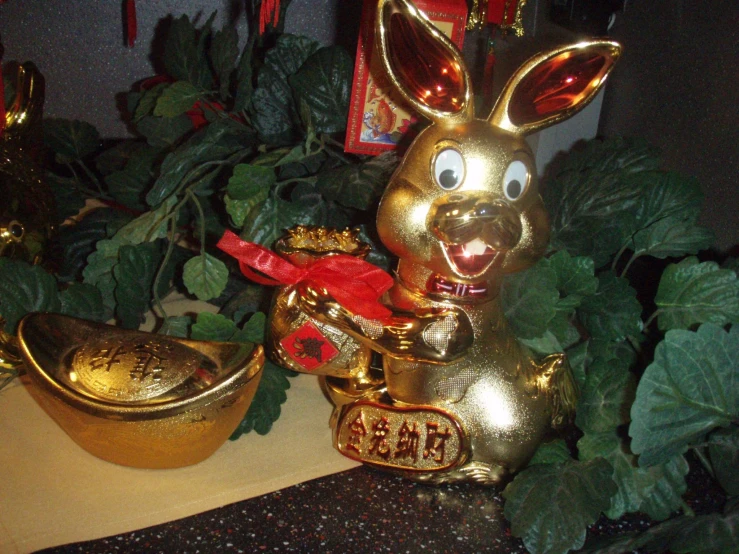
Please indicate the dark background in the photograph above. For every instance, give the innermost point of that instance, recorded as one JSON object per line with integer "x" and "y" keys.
{"x": 677, "y": 84}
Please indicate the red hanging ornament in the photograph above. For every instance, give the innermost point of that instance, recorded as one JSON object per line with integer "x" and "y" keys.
{"x": 269, "y": 13}
{"x": 131, "y": 27}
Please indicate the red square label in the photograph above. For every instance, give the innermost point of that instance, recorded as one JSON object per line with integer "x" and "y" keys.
{"x": 308, "y": 347}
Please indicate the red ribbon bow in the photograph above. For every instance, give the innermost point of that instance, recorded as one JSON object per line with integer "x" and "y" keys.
{"x": 355, "y": 284}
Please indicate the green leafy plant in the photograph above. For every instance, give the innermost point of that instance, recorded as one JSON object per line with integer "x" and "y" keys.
{"x": 654, "y": 354}
{"x": 228, "y": 138}
{"x": 247, "y": 139}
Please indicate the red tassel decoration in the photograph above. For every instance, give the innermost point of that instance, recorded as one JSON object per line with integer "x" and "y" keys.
{"x": 269, "y": 13}
{"x": 131, "y": 28}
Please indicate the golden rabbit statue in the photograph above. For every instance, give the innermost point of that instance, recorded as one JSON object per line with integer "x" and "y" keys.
{"x": 458, "y": 397}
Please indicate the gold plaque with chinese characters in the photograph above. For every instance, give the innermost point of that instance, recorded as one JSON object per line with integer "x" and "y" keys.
{"x": 410, "y": 439}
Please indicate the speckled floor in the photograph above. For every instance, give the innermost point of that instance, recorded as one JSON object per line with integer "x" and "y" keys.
{"x": 358, "y": 511}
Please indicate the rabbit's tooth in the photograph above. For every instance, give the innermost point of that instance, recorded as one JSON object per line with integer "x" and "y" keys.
{"x": 475, "y": 247}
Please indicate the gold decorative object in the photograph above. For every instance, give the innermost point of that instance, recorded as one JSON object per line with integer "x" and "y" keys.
{"x": 299, "y": 342}
{"x": 27, "y": 206}
{"x": 460, "y": 398}
{"x": 138, "y": 399}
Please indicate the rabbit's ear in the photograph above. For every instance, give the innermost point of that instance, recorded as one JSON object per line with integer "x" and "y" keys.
{"x": 422, "y": 63}
{"x": 29, "y": 99}
{"x": 554, "y": 86}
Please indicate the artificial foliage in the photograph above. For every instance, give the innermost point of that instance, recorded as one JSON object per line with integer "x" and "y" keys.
{"x": 249, "y": 140}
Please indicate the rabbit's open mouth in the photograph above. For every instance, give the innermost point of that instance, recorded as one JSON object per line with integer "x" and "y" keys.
{"x": 471, "y": 258}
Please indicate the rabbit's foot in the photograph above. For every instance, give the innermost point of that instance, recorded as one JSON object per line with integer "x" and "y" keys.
{"x": 476, "y": 472}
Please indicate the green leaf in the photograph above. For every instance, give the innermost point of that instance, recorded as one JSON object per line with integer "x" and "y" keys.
{"x": 273, "y": 219}
{"x": 77, "y": 240}
{"x": 176, "y": 99}
{"x": 224, "y": 49}
{"x": 688, "y": 390}
{"x": 577, "y": 357}
{"x": 575, "y": 275}
{"x": 127, "y": 186}
{"x": 25, "y": 288}
{"x": 545, "y": 344}
{"x": 254, "y": 329}
{"x": 244, "y": 76}
{"x": 247, "y": 180}
{"x": 691, "y": 292}
{"x": 205, "y": 276}
{"x": 99, "y": 271}
{"x": 68, "y": 198}
{"x": 594, "y": 199}
{"x": 672, "y": 236}
{"x": 554, "y": 452}
{"x": 551, "y": 505}
{"x": 147, "y": 227}
{"x": 607, "y": 396}
{"x": 176, "y": 326}
{"x": 656, "y": 491}
{"x": 183, "y": 59}
{"x": 214, "y": 327}
{"x": 707, "y": 534}
{"x": 214, "y": 143}
{"x": 613, "y": 312}
{"x": 265, "y": 408}
{"x": 161, "y": 132}
{"x": 529, "y": 299}
{"x": 723, "y": 447}
{"x": 358, "y": 185}
{"x": 324, "y": 82}
{"x": 73, "y": 140}
{"x": 148, "y": 101}
{"x": 275, "y": 116}
{"x": 134, "y": 275}
{"x": 83, "y": 301}
{"x": 116, "y": 157}
{"x": 667, "y": 194}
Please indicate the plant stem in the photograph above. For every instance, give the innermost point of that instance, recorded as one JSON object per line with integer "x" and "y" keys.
{"x": 82, "y": 188}
{"x": 651, "y": 317}
{"x": 165, "y": 261}
{"x": 92, "y": 177}
{"x": 628, "y": 265}
{"x": 707, "y": 464}
{"x": 201, "y": 216}
{"x": 618, "y": 256}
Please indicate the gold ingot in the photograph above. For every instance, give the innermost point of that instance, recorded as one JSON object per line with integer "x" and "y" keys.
{"x": 343, "y": 356}
{"x": 134, "y": 398}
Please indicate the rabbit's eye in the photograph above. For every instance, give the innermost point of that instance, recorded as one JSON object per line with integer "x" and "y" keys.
{"x": 449, "y": 169}
{"x": 515, "y": 181}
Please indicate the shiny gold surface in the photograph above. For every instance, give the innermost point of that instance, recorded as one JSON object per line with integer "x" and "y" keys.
{"x": 418, "y": 439}
{"x": 27, "y": 206}
{"x": 302, "y": 246}
{"x": 517, "y": 24}
{"x": 306, "y": 243}
{"x": 136, "y": 398}
{"x": 447, "y": 60}
{"x": 462, "y": 209}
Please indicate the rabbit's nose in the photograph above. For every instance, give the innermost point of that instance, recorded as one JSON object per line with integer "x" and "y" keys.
{"x": 460, "y": 218}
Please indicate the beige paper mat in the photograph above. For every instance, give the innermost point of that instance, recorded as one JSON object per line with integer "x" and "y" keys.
{"x": 52, "y": 492}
